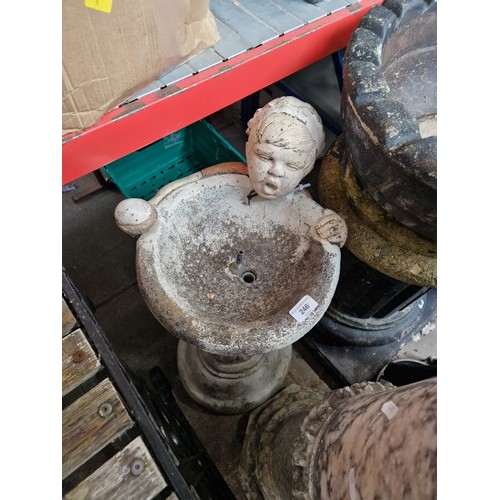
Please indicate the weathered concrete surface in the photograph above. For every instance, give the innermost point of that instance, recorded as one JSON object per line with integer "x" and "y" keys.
{"x": 368, "y": 440}
{"x": 184, "y": 265}
{"x": 231, "y": 385}
{"x": 266, "y": 465}
{"x": 374, "y": 237}
{"x": 389, "y": 109}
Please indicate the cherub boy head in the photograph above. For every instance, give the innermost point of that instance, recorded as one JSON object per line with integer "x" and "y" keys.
{"x": 285, "y": 137}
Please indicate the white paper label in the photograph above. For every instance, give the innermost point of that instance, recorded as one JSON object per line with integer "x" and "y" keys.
{"x": 389, "y": 409}
{"x": 303, "y": 308}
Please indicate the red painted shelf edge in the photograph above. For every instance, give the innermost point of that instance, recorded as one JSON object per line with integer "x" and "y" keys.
{"x": 128, "y": 128}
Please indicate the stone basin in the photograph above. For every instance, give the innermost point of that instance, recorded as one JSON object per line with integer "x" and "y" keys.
{"x": 192, "y": 231}
{"x": 389, "y": 110}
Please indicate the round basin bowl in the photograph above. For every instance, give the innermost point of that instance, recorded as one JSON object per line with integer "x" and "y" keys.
{"x": 188, "y": 277}
{"x": 389, "y": 109}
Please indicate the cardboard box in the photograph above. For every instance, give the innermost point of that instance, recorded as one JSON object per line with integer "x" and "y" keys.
{"x": 110, "y": 55}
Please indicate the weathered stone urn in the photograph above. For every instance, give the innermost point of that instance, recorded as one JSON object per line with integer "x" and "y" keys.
{"x": 363, "y": 441}
{"x": 380, "y": 176}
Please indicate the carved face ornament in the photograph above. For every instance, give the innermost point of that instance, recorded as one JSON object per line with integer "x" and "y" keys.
{"x": 284, "y": 139}
{"x": 275, "y": 171}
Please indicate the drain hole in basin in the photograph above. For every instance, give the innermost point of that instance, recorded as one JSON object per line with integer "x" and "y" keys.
{"x": 249, "y": 276}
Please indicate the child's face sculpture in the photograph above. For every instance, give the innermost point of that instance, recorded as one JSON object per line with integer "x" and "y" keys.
{"x": 284, "y": 139}
{"x": 279, "y": 154}
{"x": 275, "y": 171}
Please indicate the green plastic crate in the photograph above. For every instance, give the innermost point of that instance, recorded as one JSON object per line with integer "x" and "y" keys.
{"x": 142, "y": 173}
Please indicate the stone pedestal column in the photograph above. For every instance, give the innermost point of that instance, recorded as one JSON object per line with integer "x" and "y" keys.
{"x": 364, "y": 441}
{"x": 231, "y": 384}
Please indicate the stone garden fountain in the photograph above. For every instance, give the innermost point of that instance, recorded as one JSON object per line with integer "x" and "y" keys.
{"x": 240, "y": 262}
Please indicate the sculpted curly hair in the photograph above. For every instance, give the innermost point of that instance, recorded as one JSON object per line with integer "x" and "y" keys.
{"x": 295, "y": 115}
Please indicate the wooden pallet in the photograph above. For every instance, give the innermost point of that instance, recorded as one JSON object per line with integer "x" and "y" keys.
{"x": 122, "y": 438}
{"x": 97, "y": 419}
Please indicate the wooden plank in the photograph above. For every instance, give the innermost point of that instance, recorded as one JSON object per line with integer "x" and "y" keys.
{"x": 68, "y": 320}
{"x": 118, "y": 478}
{"x": 85, "y": 431}
{"x": 79, "y": 362}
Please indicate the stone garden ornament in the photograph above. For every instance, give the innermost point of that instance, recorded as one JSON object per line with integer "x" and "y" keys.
{"x": 238, "y": 261}
{"x": 285, "y": 138}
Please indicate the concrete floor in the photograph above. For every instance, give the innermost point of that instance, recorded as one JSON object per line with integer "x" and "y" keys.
{"x": 100, "y": 259}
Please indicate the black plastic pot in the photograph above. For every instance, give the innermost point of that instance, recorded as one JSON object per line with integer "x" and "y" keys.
{"x": 372, "y": 309}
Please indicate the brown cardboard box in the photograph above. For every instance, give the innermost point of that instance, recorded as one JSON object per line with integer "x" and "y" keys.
{"x": 108, "y": 57}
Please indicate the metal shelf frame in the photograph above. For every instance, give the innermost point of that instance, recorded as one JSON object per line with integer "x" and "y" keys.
{"x": 147, "y": 119}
